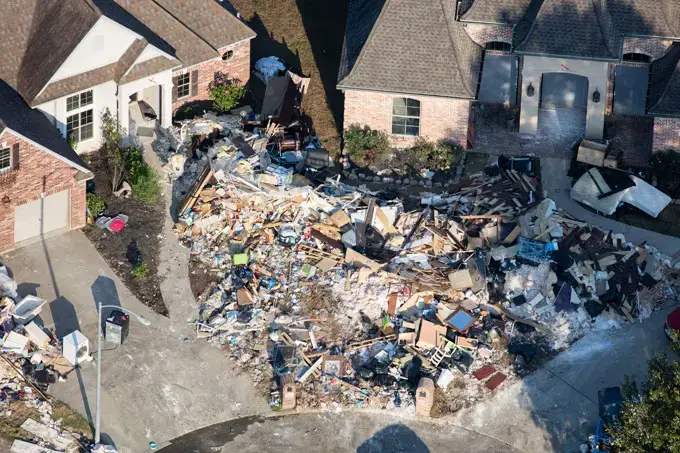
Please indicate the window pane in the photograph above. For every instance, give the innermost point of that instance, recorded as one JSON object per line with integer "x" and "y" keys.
{"x": 399, "y": 106}
{"x": 72, "y": 103}
{"x": 411, "y": 130}
{"x": 412, "y": 103}
{"x": 86, "y": 132}
{"x": 86, "y": 98}
{"x": 72, "y": 121}
{"x": 413, "y": 111}
{"x": 412, "y": 122}
{"x": 5, "y": 159}
{"x": 398, "y": 129}
{"x": 86, "y": 117}
{"x": 74, "y": 135}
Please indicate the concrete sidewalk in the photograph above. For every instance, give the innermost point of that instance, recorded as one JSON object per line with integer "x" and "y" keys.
{"x": 157, "y": 385}
{"x": 558, "y": 185}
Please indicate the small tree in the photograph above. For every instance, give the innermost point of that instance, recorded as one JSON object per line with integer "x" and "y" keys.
{"x": 115, "y": 156}
{"x": 226, "y": 93}
{"x": 652, "y": 423}
{"x": 445, "y": 154}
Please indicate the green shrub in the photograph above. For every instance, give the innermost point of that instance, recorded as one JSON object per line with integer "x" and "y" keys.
{"x": 95, "y": 204}
{"x": 147, "y": 186}
{"x": 445, "y": 154}
{"x": 367, "y": 147}
{"x": 140, "y": 272}
{"x": 144, "y": 181}
{"x": 226, "y": 94}
{"x": 666, "y": 168}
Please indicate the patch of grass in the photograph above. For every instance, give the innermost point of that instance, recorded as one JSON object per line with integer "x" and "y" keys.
{"x": 147, "y": 187}
{"x": 70, "y": 418}
{"x": 140, "y": 272}
{"x": 10, "y": 427}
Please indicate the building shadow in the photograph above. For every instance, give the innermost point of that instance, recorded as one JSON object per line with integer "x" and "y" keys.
{"x": 324, "y": 24}
{"x": 394, "y": 438}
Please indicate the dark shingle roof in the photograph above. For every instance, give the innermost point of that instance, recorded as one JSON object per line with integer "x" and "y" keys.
{"x": 37, "y": 37}
{"x": 567, "y": 28}
{"x": 664, "y": 95}
{"x": 16, "y": 115}
{"x": 496, "y": 11}
{"x": 638, "y": 17}
{"x": 361, "y": 17}
{"x": 417, "y": 48}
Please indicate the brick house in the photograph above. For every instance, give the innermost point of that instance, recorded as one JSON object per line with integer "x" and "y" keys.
{"x": 423, "y": 69}
{"x": 68, "y": 61}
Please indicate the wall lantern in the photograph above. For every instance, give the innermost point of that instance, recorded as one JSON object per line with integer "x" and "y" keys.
{"x": 6, "y": 200}
{"x": 596, "y": 96}
{"x": 531, "y": 90}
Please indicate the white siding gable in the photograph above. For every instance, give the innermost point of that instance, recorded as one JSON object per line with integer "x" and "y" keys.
{"x": 104, "y": 44}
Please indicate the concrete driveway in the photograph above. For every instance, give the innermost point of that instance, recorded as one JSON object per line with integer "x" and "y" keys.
{"x": 156, "y": 386}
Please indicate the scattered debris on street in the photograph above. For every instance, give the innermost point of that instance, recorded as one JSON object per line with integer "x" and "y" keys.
{"x": 328, "y": 295}
{"x": 31, "y": 359}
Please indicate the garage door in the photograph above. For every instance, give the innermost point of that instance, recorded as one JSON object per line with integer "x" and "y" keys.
{"x": 41, "y": 216}
{"x": 499, "y": 79}
{"x": 560, "y": 90}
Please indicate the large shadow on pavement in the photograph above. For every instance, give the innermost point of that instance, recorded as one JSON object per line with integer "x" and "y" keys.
{"x": 396, "y": 438}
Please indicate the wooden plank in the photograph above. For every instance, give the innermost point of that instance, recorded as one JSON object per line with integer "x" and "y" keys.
{"x": 510, "y": 238}
{"x": 385, "y": 221}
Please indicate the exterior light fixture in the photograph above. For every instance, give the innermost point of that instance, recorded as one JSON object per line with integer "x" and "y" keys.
{"x": 531, "y": 90}
{"x": 596, "y": 96}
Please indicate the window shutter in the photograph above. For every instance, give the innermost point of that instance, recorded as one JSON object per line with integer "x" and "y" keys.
{"x": 194, "y": 83}
{"x": 175, "y": 82}
{"x": 15, "y": 156}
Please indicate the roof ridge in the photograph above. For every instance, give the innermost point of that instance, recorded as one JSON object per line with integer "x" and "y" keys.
{"x": 456, "y": 55}
{"x": 191, "y": 30}
{"x": 599, "y": 10}
{"x": 365, "y": 45}
{"x": 534, "y": 21}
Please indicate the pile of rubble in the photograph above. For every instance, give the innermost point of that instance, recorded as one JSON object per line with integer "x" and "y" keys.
{"x": 329, "y": 296}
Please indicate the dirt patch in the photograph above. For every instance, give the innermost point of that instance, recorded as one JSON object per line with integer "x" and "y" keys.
{"x": 308, "y": 35}
{"x": 141, "y": 236}
{"x": 200, "y": 277}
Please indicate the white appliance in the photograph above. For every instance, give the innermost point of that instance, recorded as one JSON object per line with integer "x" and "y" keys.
{"x": 76, "y": 348}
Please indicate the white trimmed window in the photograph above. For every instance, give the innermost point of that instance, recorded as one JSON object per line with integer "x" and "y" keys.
{"x": 5, "y": 159}
{"x": 80, "y": 123}
{"x": 183, "y": 85}
{"x": 80, "y": 127}
{"x": 405, "y": 117}
{"x": 79, "y": 101}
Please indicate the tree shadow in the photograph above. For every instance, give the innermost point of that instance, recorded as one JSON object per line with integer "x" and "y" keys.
{"x": 394, "y": 438}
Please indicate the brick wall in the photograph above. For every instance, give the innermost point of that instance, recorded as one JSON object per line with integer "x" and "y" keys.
{"x": 34, "y": 165}
{"x": 666, "y": 134}
{"x": 237, "y": 67}
{"x": 439, "y": 117}
{"x": 655, "y": 48}
{"x": 483, "y": 33}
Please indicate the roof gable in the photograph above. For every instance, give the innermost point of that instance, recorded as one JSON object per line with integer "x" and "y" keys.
{"x": 664, "y": 95}
{"x": 43, "y": 34}
{"x": 105, "y": 43}
{"x": 33, "y": 126}
{"x": 418, "y": 48}
{"x": 569, "y": 28}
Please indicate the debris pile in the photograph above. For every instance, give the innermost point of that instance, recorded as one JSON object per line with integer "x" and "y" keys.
{"x": 330, "y": 296}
